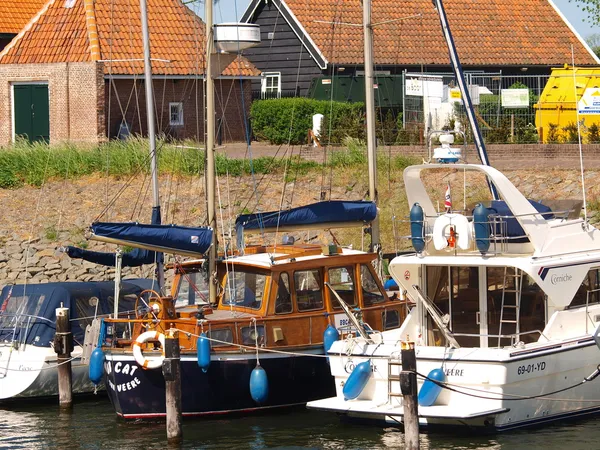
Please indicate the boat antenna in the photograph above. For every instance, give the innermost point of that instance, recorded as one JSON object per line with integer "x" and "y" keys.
{"x": 151, "y": 134}
{"x": 579, "y": 139}
{"x": 460, "y": 79}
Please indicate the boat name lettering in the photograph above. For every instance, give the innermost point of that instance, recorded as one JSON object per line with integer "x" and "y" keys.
{"x": 561, "y": 278}
{"x": 531, "y": 368}
{"x": 125, "y": 369}
{"x": 455, "y": 372}
{"x": 24, "y": 368}
{"x": 125, "y": 386}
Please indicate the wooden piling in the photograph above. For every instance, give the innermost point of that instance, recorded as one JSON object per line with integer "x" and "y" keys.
{"x": 63, "y": 346}
{"x": 172, "y": 372}
{"x": 408, "y": 386}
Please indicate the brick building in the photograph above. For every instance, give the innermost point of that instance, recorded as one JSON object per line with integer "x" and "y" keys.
{"x": 75, "y": 73}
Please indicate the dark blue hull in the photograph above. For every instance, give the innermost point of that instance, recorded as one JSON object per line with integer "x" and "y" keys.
{"x": 224, "y": 388}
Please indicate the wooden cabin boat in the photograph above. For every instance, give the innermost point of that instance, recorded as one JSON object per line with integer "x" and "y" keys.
{"x": 274, "y": 307}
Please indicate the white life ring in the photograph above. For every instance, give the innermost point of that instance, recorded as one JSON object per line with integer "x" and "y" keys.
{"x": 441, "y": 231}
{"x": 153, "y": 362}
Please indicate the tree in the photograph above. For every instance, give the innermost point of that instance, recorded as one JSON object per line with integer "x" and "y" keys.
{"x": 592, "y": 7}
{"x": 594, "y": 42}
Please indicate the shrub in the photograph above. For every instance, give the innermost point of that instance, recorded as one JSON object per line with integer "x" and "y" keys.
{"x": 571, "y": 133}
{"x": 593, "y": 134}
{"x": 553, "y": 135}
{"x": 287, "y": 120}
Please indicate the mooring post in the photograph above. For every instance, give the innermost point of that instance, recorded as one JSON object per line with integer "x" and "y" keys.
{"x": 63, "y": 346}
{"x": 172, "y": 373}
{"x": 408, "y": 386}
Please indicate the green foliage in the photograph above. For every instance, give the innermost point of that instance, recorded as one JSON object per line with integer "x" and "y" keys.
{"x": 592, "y": 8}
{"x": 593, "y": 134}
{"x": 355, "y": 152}
{"x": 287, "y": 120}
{"x": 571, "y": 133}
{"x": 51, "y": 233}
{"x": 386, "y": 128}
{"x": 553, "y": 136}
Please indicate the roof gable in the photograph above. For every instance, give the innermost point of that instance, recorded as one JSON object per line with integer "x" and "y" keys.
{"x": 110, "y": 31}
{"x": 14, "y": 15}
{"x": 491, "y": 32}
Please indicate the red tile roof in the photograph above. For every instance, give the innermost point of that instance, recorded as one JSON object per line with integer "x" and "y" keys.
{"x": 14, "y": 14}
{"x": 110, "y": 30}
{"x": 486, "y": 32}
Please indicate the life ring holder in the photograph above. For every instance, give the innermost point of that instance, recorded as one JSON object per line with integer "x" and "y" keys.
{"x": 459, "y": 230}
{"x": 153, "y": 362}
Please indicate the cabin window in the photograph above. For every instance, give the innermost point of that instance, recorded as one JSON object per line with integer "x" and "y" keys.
{"x": 370, "y": 288}
{"x": 176, "y": 114}
{"x": 341, "y": 280}
{"x": 192, "y": 289}
{"x": 309, "y": 293}
{"x": 589, "y": 291}
{"x": 271, "y": 85}
{"x": 283, "y": 303}
{"x": 390, "y": 319}
{"x": 250, "y": 335}
{"x": 244, "y": 288}
{"x": 224, "y": 335}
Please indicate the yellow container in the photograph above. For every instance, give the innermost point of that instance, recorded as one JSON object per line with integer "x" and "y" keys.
{"x": 562, "y": 104}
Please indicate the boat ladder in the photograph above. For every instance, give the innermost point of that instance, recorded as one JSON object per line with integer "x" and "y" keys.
{"x": 511, "y": 303}
{"x": 393, "y": 379}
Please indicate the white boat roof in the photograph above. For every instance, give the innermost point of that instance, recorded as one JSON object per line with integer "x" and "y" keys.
{"x": 547, "y": 237}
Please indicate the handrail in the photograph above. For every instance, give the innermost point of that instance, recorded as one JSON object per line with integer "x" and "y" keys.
{"x": 351, "y": 316}
{"x": 431, "y": 309}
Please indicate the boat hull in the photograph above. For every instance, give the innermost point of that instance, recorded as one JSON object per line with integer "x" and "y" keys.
{"x": 33, "y": 373}
{"x": 224, "y": 388}
{"x": 491, "y": 389}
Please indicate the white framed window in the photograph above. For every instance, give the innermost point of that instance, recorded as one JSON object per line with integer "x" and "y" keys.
{"x": 271, "y": 85}
{"x": 176, "y": 113}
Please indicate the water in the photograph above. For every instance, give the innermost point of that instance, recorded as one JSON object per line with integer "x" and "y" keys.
{"x": 92, "y": 424}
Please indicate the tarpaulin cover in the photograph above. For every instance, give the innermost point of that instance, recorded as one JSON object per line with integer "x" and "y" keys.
{"x": 22, "y": 306}
{"x": 134, "y": 258}
{"x": 334, "y": 211}
{"x": 513, "y": 228}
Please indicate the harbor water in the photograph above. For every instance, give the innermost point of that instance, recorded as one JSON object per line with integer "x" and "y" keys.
{"x": 92, "y": 424}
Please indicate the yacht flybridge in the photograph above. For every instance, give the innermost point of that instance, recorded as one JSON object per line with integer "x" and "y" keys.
{"x": 507, "y": 302}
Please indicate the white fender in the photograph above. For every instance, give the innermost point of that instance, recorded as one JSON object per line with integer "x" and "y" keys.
{"x": 441, "y": 231}
{"x": 153, "y": 362}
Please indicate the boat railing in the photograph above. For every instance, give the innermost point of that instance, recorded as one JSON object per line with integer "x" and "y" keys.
{"x": 503, "y": 230}
{"x": 515, "y": 338}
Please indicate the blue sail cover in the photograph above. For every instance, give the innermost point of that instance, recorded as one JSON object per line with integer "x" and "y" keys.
{"x": 135, "y": 258}
{"x": 21, "y": 304}
{"x": 335, "y": 211}
{"x": 162, "y": 238}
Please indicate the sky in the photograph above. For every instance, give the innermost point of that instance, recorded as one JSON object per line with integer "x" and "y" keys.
{"x": 225, "y": 11}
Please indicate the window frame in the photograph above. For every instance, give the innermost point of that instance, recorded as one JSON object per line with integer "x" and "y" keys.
{"x": 265, "y": 89}
{"x": 179, "y": 106}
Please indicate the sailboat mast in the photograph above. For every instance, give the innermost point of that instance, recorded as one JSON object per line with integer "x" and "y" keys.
{"x": 370, "y": 117}
{"x": 210, "y": 150}
{"x": 151, "y": 129}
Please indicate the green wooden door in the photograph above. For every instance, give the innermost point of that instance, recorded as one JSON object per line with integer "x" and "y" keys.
{"x": 32, "y": 112}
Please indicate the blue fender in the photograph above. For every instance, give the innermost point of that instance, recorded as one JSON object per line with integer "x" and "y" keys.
{"x": 259, "y": 385}
{"x": 481, "y": 227}
{"x": 430, "y": 391}
{"x": 96, "y": 368}
{"x": 416, "y": 227}
{"x": 203, "y": 350}
{"x": 330, "y": 335}
{"x": 357, "y": 380}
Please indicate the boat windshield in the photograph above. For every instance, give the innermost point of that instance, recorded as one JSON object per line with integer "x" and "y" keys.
{"x": 244, "y": 287}
{"x": 192, "y": 289}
